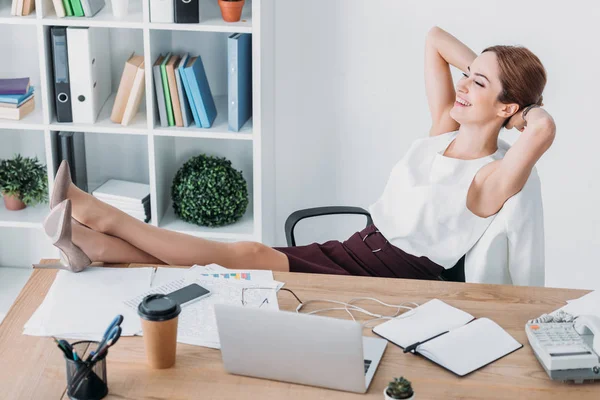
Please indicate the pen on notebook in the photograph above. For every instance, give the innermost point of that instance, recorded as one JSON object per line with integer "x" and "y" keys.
{"x": 414, "y": 346}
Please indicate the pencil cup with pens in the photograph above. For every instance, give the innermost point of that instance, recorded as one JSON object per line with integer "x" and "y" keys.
{"x": 86, "y": 375}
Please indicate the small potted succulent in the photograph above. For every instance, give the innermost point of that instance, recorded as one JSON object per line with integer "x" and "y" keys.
{"x": 399, "y": 388}
{"x": 23, "y": 182}
{"x": 231, "y": 10}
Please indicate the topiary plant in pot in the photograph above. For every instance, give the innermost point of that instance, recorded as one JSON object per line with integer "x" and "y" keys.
{"x": 23, "y": 182}
{"x": 208, "y": 191}
{"x": 231, "y": 10}
{"x": 399, "y": 388}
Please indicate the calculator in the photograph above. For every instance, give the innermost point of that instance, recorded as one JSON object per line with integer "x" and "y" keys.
{"x": 563, "y": 352}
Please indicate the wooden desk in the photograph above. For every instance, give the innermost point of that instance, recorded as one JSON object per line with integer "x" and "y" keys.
{"x": 33, "y": 368}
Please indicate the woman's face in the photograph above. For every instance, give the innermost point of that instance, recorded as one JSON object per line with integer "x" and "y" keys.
{"x": 477, "y": 93}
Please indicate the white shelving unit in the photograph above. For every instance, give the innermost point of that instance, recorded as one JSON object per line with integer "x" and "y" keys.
{"x": 143, "y": 151}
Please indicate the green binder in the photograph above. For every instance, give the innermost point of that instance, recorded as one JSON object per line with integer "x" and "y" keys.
{"x": 68, "y": 9}
{"x": 77, "y": 8}
{"x": 165, "y": 81}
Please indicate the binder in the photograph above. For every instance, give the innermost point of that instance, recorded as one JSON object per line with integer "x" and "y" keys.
{"x": 91, "y": 7}
{"x": 203, "y": 99}
{"x": 62, "y": 85}
{"x": 188, "y": 92}
{"x": 161, "y": 11}
{"x": 187, "y": 11}
{"x": 159, "y": 92}
{"x": 239, "y": 80}
{"x": 170, "y": 69}
{"x": 71, "y": 147}
{"x": 186, "y": 112}
{"x": 89, "y": 71}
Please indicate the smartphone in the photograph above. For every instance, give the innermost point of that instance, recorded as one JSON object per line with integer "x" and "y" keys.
{"x": 189, "y": 293}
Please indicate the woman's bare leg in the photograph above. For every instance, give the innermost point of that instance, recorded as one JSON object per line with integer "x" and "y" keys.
{"x": 109, "y": 249}
{"x": 172, "y": 247}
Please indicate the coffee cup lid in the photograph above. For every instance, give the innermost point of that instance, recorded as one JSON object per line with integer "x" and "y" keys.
{"x": 158, "y": 307}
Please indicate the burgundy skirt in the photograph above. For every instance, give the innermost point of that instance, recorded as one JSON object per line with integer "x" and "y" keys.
{"x": 365, "y": 253}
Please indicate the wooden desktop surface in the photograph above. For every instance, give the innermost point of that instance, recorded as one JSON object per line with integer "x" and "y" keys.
{"x": 33, "y": 368}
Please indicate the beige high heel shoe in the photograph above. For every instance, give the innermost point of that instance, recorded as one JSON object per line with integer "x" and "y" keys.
{"x": 61, "y": 184}
{"x": 58, "y": 227}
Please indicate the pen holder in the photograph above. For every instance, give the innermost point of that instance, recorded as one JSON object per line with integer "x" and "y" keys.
{"x": 93, "y": 385}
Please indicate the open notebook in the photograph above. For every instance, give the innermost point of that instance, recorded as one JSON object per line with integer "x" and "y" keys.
{"x": 449, "y": 337}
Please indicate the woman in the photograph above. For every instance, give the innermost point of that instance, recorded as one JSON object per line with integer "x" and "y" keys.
{"x": 439, "y": 200}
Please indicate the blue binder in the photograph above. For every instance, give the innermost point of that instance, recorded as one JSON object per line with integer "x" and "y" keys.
{"x": 204, "y": 102}
{"x": 239, "y": 79}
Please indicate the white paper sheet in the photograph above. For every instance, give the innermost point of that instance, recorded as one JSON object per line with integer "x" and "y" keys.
{"x": 588, "y": 304}
{"x": 82, "y": 305}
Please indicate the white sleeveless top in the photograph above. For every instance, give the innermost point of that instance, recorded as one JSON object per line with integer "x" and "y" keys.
{"x": 423, "y": 208}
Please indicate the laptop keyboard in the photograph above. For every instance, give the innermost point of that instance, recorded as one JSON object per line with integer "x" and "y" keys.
{"x": 367, "y": 365}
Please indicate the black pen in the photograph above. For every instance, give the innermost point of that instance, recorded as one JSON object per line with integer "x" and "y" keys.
{"x": 414, "y": 346}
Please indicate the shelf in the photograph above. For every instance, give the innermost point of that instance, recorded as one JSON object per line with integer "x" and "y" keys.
{"x": 219, "y": 129}
{"x": 241, "y": 230}
{"x": 6, "y": 18}
{"x": 103, "y": 123}
{"x": 104, "y": 18}
{"x": 29, "y": 217}
{"x": 210, "y": 24}
{"x": 32, "y": 121}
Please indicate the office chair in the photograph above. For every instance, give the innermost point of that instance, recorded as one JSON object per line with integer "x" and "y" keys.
{"x": 454, "y": 274}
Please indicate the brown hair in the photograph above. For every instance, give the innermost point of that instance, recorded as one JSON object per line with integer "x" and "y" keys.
{"x": 522, "y": 76}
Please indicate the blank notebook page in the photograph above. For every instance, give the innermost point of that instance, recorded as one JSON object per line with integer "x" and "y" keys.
{"x": 424, "y": 322}
{"x": 470, "y": 347}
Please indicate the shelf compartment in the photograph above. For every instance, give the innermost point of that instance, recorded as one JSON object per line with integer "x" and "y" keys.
{"x": 170, "y": 153}
{"x": 6, "y": 18}
{"x": 219, "y": 129}
{"x": 29, "y": 217}
{"x": 111, "y": 156}
{"x": 212, "y": 47}
{"x": 104, "y": 17}
{"x": 211, "y": 20}
{"x": 24, "y": 247}
{"x": 123, "y": 43}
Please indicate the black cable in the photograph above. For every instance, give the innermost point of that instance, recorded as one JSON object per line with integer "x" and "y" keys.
{"x": 294, "y": 294}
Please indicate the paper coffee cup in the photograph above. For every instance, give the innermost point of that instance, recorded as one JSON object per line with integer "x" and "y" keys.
{"x": 159, "y": 316}
{"x": 120, "y": 8}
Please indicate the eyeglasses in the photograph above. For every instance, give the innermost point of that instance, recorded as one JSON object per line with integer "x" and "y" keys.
{"x": 256, "y": 298}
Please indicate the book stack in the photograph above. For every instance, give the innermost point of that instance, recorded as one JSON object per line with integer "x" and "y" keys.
{"x": 183, "y": 94}
{"x": 77, "y": 8}
{"x": 16, "y": 98}
{"x": 22, "y": 8}
{"x": 130, "y": 197}
{"x": 130, "y": 92}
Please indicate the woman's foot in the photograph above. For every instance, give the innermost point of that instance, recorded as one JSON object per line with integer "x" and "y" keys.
{"x": 86, "y": 209}
{"x": 58, "y": 227}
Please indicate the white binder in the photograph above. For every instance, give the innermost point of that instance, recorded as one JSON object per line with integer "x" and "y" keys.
{"x": 89, "y": 72}
{"x": 162, "y": 11}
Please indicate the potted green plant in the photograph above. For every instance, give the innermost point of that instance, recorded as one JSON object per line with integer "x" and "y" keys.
{"x": 399, "y": 388}
{"x": 208, "y": 191}
{"x": 23, "y": 182}
{"x": 231, "y": 10}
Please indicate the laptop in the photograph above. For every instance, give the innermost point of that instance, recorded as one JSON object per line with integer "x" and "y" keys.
{"x": 298, "y": 348}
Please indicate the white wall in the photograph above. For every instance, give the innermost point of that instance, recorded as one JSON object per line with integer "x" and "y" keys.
{"x": 350, "y": 98}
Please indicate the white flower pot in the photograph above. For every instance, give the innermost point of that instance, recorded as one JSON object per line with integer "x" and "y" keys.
{"x": 386, "y": 397}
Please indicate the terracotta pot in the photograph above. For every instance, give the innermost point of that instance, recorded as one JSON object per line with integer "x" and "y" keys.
{"x": 13, "y": 203}
{"x": 231, "y": 11}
